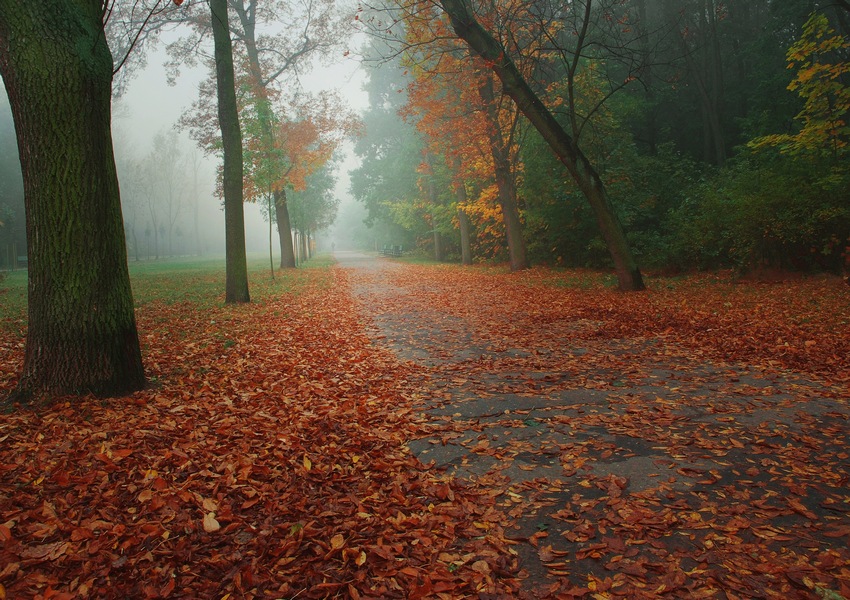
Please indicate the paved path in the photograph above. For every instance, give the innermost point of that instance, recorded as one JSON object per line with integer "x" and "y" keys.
{"x": 698, "y": 479}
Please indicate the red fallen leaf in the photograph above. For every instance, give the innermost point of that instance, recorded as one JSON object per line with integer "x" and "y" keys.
{"x": 5, "y": 534}
{"x": 534, "y": 538}
{"x": 837, "y": 532}
{"x": 168, "y": 588}
{"x": 481, "y": 566}
{"x": 81, "y": 533}
{"x": 51, "y": 594}
{"x": 337, "y": 541}
{"x": 798, "y": 508}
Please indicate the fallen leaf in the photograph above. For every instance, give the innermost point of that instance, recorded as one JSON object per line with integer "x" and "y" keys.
{"x": 210, "y": 523}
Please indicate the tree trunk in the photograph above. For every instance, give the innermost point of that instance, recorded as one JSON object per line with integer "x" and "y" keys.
{"x": 465, "y": 246}
{"x": 82, "y": 333}
{"x": 567, "y": 151}
{"x": 284, "y": 231}
{"x": 236, "y": 285}
{"x": 505, "y": 179}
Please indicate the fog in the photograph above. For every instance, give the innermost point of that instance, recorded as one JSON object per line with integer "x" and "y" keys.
{"x": 168, "y": 192}
{"x": 151, "y": 106}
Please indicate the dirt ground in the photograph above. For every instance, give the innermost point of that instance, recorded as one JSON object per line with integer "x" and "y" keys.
{"x": 623, "y": 466}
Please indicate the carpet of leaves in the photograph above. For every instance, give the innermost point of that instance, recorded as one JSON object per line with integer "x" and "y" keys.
{"x": 693, "y": 484}
{"x": 267, "y": 459}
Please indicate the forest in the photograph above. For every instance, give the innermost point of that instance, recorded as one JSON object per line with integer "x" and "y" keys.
{"x": 718, "y": 129}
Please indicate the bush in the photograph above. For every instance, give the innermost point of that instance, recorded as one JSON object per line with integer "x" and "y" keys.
{"x": 765, "y": 211}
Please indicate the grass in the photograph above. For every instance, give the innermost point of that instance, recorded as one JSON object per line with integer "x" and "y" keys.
{"x": 198, "y": 281}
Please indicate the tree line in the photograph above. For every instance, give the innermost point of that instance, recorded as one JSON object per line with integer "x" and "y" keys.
{"x": 612, "y": 133}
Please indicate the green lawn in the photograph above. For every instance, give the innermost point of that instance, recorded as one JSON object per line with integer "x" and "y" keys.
{"x": 194, "y": 280}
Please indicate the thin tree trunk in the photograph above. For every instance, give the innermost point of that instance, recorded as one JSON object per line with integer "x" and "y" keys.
{"x": 588, "y": 181}
{"x": 464, "y": 223}
{"x": 236, "y": 286}
{"x": 434, "y": 198}
{"x": 465, "y": 246}
{"x": 264, "y": 113}
{"x": 270, "y": 206}
{"x": 505, "y": 180}
{"x": 284, "y": 231}
{"x": 82, "y": 333}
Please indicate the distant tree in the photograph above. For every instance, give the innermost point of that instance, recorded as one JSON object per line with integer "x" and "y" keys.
{"x": 390, "y": 151}
{"x": 57, "y": 69}
{"x": 272, "y": 41}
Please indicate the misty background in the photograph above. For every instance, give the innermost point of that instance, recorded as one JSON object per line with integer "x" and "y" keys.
{"x": 168, "y": 184}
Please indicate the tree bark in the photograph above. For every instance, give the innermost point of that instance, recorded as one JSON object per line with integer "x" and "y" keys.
{"x": 567, "y": 151}
{"x": 434, "y": 198}
{"x": 465, "y": 246}
{"x": 236, "y": 284}
{"x": 82, "y": 334}
{"x": 284, "y": 231}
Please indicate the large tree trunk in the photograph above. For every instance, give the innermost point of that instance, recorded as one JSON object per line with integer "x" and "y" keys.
{"x": 567, "y": 151}
{"x": 284, "y": 231}
{"x": 57, "y": 70}
{"x": 236, "y": 285}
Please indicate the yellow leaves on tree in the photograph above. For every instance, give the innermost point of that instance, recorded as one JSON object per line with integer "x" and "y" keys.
{"x": 817, "y": 56}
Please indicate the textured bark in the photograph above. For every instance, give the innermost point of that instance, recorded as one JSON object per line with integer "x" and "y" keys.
{"x": 561, "y": 143}
{"x": 236, "y": 284}
{"x": 505, "y": 178}
{"x": 284, "y": 231}
{"x": 82, "y": 333}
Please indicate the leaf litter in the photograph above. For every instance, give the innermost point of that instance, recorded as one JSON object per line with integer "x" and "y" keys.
{"x": 685, "y": 442}
{"x": 267, "y": 461}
